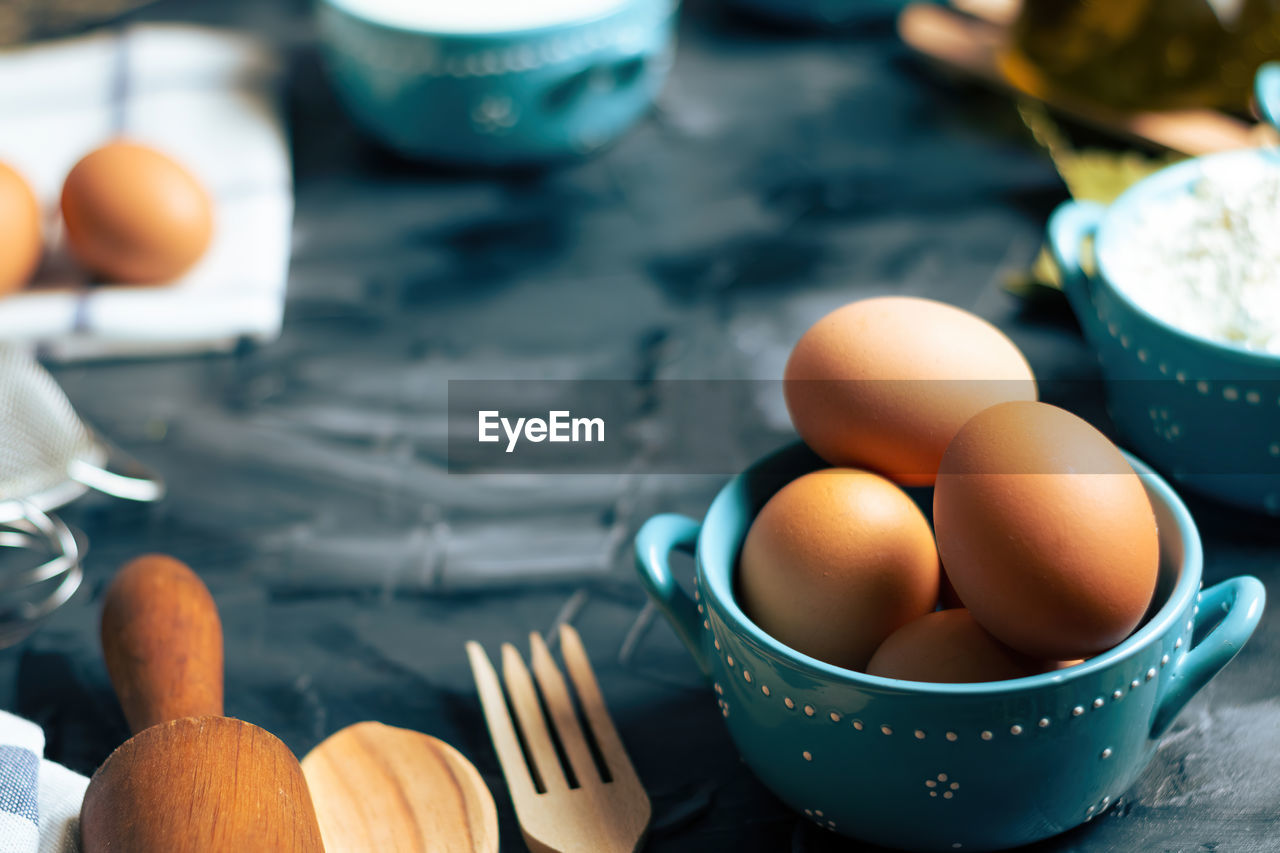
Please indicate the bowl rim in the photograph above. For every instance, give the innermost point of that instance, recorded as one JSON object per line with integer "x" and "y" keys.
{"x": 717, "y": 588}
{"x": 1177, "y": 175}
{"x": 488, "y": 37}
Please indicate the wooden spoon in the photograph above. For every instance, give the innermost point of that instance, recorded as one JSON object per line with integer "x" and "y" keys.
{"x": 381, "y": 788}
{"x": 190, "y": 780}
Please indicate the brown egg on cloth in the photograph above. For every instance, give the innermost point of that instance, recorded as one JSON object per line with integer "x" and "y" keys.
{"x": 1045, "y": 531}
{"x": 135, "y": 216}
{"x": 20, "y": 238}
{"x": 885, "y": 383}
{"x": 949, "y": 646}
{"x": 835, "y": 562}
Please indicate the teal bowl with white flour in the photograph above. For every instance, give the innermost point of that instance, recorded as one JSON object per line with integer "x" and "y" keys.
{"x": 497, "y": 82}
{"x": 1182, "y": 304}
{"x": 943, "y": 767}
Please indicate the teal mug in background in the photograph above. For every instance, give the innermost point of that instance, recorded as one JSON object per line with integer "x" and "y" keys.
{"x": 942, "y": 766}
{"x": 519, "y": 97}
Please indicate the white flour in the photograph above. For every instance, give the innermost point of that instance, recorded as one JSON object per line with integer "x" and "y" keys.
{"x": 1208, "y": 261}
{"x": 477, "y": 16}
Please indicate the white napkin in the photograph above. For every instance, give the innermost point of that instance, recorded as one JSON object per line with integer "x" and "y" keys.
{"x": 207, "y": 98}
{"x": 39, "y": 800}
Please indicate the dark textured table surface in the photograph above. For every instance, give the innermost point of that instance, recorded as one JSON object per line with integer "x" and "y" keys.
{"x": 781, "y": 176}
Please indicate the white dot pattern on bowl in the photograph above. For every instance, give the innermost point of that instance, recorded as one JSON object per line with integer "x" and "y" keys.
{"x": 394, "y": 55}
{"x": 1106, "y": 753}
{"x": 1015, "y": 729}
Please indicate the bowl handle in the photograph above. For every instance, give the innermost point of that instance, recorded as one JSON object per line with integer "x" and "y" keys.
{"x": 1266, "y": 88}
{"x": 1069, "y": 225}
{"x": 573, "y": 82}
{"x": 1241, "y": 600}
{"x": 659, "y": 536}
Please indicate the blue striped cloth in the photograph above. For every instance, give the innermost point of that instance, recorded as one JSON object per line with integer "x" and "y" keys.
{"x": 39, "y": 800}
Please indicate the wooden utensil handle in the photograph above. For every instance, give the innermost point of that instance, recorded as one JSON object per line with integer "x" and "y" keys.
{"x": 163, "y": 642}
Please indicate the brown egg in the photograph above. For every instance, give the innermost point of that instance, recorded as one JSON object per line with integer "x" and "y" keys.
{"x": 20, "y": 246}
{"x": 885, "y": 383}
{"x": 135, "y": 216}
{"x": 835, "y": 562}
{"x": 950, "y": 647}
{"x": 1045, "y": 531}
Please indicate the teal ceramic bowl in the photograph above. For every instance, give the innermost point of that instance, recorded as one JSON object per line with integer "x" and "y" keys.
{"x": 499, "y": 98}
{"x": 943, "y": 766}
{"x": 1206, "y": 413}
{"x": 1267, "y": 92}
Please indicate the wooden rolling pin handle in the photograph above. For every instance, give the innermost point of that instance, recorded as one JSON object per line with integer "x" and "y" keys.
{"x": 163, "y": 642}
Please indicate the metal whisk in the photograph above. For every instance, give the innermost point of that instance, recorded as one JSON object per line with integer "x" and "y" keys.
{"x": 48, "y": 457}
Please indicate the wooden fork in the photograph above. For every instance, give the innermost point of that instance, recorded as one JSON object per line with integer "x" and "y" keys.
{"x": 577, "y": 811}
